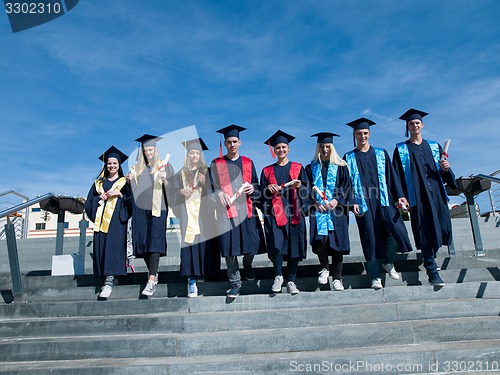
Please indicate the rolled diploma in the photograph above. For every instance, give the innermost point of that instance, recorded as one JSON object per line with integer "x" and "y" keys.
{"x": 289, "y": 183}
{"x": 239, "y": 192}
{"x": 319, "y": 192}
{"x": 444, "y": 155}
{"x": 167, "y": 158}
{"x": 195, "y": 182}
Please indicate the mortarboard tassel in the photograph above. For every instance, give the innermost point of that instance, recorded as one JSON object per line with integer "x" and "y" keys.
{"x": 220, "y": 147}
{"x": 271, "y": 149}
{"x": 101, "y": 175}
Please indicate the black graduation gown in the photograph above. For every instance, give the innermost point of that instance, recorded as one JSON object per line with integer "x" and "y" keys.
{"x": 149, "y": 233}
{"x": 430, "y": 217}
{"x": 338, "y": 239}
{"x": 110, "y": 249}
{"x": 378, "y": 222}
{"x": 290, "y": 239}
{"x": 201, "y": 257}
{"x": 239, "y": 235}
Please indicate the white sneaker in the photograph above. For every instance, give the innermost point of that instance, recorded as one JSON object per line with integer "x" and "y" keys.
{"x": 377, "y": 284}
{"x": 105, "y": 291}
{"x": 323, "y": 276}
{"x": 391, "y": 271}
{"x": 337, "y": 285}
{"x": 192, "y": 291}
{"x": 292, "y": 288}
{"x": 278, "y": 282}
{"x": 149, "y": 289}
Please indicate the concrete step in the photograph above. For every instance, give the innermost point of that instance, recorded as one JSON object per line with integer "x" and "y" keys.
{"x": 235, "y": 321}
{"x": 57, "y": 288}
{"x": 266, "y": 340}
{"x": 246, "y": 302}
{"x": 476, "y": 357}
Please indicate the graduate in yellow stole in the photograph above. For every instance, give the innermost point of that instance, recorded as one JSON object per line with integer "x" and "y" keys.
{"x": 192, "y": 204}
{"x": 148, "y": 180}
{"x": 108, "y": 206}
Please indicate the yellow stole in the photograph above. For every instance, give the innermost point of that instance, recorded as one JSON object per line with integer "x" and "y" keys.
{"x": 157, "y": 189}
{"x": 192, "y": 209}
{"x": 105, "y": 210}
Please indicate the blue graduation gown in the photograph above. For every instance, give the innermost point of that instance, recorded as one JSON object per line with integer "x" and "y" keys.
{"x": 378, "y": 222}
{"x": 239, "y": 235}
{"x": 148, "y": 231}
{"x": 338, "y": 239}
{"x": 291, "y": 239}
{"x": 202, "y": 257}
{"x": 430, "y": 217}
{"x": 110, "y": 249}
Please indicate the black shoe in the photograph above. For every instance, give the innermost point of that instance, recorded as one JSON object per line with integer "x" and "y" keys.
{"x": 435, "y": 279}
{"x": 249, "y": 273}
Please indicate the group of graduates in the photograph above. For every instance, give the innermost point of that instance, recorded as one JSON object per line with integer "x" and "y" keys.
{"x": 217, "y": 207}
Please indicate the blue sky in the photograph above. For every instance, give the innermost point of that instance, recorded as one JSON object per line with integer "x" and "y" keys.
{"x": 109, "y": 71}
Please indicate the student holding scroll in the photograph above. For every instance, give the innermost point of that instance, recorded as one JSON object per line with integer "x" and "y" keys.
{"x": 285, "y": 203}
{"x": 235, "y": 184}
{"x": 329, "y": 216}
{"x": 423, "y": 171}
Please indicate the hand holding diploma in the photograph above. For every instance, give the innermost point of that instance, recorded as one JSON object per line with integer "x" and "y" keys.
{"x": 321, "y": 194}
{"x": 244, "y": 188}
{"x": 403, "y": 204}
{"x": 294, "y": 183}
{"x": 443, "y": 163}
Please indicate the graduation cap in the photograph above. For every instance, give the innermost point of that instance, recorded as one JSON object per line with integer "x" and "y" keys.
{"x": 148, "y": 140}
{"x": 360, "y": 123}
{"x": 231, "y": 131}
{"x": 113, "y": 152}
{"x": 195, "y": 144}
{"x": 278, "y": 137}
{"x": 413, "y": 114}
{"x": 325, "y": 137}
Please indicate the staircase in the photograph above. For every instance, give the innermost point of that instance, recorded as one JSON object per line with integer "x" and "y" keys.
{"x": 409, "y": 327}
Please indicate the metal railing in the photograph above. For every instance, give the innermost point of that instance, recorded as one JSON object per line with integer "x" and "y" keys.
{"x": 25, "y": 227}
{"x": 10, "y": 236}
{"x": 493, "y": 192}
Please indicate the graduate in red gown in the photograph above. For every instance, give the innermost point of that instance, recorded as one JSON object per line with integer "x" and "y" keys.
{"x": 239, "y": 226}
{"x": 285, "y": 203}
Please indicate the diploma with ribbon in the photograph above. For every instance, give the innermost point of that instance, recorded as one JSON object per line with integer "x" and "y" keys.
{"x": 195, "y": 181}
{"x": 322, "y": 194}
{"x": 403, "y": 207}
{"x": 445, "y": 155}
{"x": 289, "y": 183}
{"x": 239, "y": 192}
{"x": 167, "y": 158}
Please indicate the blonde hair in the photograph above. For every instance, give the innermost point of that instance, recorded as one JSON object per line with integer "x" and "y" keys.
{"x": 334, "y": 157}
{"x": 142, "y": 163}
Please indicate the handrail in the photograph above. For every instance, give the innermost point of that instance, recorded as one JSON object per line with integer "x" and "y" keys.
{"x": 15, "y": 193}
{"x": 20, "y": 206}
{"x": 486, "y": 177}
